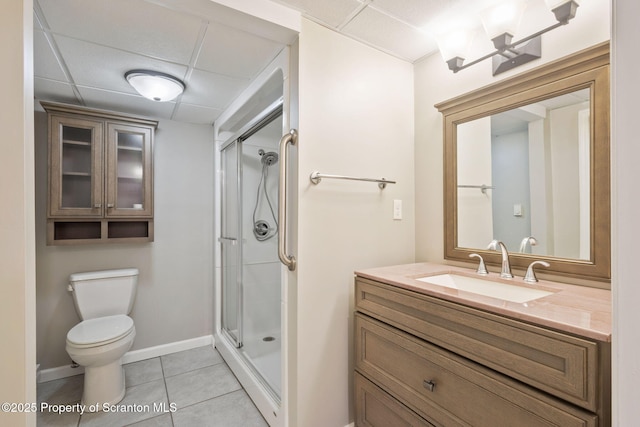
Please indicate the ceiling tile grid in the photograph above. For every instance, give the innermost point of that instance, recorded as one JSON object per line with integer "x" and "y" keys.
{"x": 331, "y": 13}
{"x": 131, "y": 25}
{"x": 83, "y": 48}
{"x": 104, "y": 67}
{"x": 220, "y": 47}
{"x": 393, "y": 26}
{"x": 389, "y": 34}
{"x": 417, "y": 13}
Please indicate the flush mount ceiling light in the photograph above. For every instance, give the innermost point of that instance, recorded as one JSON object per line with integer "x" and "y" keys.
{"x": 500, "y": 22}
{"x": 154, "y": 85}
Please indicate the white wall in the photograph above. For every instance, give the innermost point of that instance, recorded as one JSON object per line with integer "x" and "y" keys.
{"x": 17, "y": 252}
{"x": 625, "y": 208}
{"x": 355, "y": 118}
{"x": 175, "y": 288}
{"x": 434, "y": 83}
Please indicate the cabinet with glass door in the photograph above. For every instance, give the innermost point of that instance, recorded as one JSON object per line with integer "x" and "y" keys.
{"x": 100, "y": 176}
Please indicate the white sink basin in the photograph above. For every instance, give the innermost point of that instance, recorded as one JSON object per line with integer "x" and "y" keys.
{"x": 486, "y": 287}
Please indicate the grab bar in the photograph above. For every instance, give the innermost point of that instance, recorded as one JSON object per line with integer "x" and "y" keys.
{"x": 316, "y": 177}
{"x": 288, "y": 260}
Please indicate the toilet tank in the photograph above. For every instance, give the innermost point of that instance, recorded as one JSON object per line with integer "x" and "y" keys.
{"x": 104, "y": 293}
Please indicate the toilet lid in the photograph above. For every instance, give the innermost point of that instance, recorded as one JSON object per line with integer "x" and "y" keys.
{"x": 100, "y": 331}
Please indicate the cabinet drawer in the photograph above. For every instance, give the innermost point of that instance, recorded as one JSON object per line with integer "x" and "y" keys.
{"x": 375, "y": 408}
{"x": 562, "y": 365}
{"x": 449, "y": 390}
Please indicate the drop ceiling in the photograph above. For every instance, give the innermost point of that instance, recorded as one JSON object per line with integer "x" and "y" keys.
{"x": 83, "y": 48}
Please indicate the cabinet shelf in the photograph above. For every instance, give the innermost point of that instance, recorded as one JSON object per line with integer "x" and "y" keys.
{"x": 126, "y": 148}
{"x": 83, "y": 174}
{"x": 76, "y": 142}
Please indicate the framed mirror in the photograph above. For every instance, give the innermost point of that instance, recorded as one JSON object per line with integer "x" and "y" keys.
{"x": 526, "y": 162}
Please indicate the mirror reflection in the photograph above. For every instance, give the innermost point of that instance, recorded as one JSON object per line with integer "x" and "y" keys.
{"x": 523, "y": 177}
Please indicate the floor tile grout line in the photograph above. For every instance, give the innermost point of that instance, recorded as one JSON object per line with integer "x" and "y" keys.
{"x": 219, "y": 361}
{"x": 212, "y": 398}
{"x": 191, "y": 370}
{"x": 166, "y": 389}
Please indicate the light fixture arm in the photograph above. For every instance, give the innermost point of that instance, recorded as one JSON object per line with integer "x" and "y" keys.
{"x": 508, "y": 50}
{"x": 511, "y": 47}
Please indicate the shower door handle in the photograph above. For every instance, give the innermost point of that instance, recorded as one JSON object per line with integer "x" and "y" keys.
{"x": 228, "y": 240}
{"x": 288, "y": 260}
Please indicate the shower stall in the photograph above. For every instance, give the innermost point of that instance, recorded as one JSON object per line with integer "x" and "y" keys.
{"x": 250, "y": 336}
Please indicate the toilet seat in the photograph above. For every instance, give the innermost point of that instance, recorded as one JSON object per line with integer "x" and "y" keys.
{"x": 100, "y": 331}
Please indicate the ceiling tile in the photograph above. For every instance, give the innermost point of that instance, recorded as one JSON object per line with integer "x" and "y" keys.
{"x": 219, "y": 53}
{"x": 131, "y": 104}
{"x": 216, "y": 12}
{"x": 389, "y": 34}
{"x": 36, "y": 22}
{"x": 132, "y": 25}
{"x": 212, "y": 90}
{"x": 196, "y": 114}
{"x": 102, "y": 67}
{"x": 330, "y": 12}
{"x": 45, "y": 63}
{"x": 50, "y": 90}
{"x": 415, "y": 12}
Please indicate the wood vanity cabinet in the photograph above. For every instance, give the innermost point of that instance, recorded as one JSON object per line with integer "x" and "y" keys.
{"x": 422, "y": 361}
{"x": 100, "y": 176}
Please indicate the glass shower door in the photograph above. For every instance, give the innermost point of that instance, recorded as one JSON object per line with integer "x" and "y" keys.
{"x": 251, "y": 281}
{"x": 231, "y": 249}
{"x": 261, "y": 267}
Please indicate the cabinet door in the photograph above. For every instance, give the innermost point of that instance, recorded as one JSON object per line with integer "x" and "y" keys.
{"x": 75, "y": 167}
{"x": 129, "y": 174}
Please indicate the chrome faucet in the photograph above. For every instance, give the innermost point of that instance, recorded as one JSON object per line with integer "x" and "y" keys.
{"x": 505, "y": 271}
{"x": 530, "y": 277}
{"x": 527, "y": 240}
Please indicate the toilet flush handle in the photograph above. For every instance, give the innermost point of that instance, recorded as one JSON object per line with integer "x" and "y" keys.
{"x": 69, "y": 287}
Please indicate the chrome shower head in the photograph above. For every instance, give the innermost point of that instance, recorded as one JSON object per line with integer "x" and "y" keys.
{"x": 269, "y": 158}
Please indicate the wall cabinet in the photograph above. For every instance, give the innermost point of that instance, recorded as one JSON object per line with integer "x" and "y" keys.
{"x": 100, "y": 176}
{"x": 433, "y": 362}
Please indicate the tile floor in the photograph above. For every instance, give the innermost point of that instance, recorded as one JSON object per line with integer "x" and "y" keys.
{"x": 196, "y": 384}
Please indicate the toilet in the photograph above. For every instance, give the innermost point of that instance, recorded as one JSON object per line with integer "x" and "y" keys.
{"x": 103, "y": 300}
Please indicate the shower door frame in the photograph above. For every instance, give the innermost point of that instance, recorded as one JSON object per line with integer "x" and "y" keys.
{"x": 230, "y": 242}
{"x": 262, "y": 119}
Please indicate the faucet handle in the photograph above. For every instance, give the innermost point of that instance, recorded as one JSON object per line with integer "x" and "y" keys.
{"x": 482, "y": 269}
{"x": 530, "y": 277}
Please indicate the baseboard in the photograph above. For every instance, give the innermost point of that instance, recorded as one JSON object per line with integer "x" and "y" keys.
{"x": 130, "y": 357}
{"x": 164, "y": 349}
{"x": 59, "y": 372}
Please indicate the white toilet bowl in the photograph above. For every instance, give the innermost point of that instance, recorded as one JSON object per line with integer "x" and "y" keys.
{"x": 98, "y": 345}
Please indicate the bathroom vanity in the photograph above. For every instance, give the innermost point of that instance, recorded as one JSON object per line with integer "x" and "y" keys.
{"x": 427, "y": 354}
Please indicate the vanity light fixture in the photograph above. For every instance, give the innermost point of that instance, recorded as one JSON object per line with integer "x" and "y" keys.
{"x": 154, "y": 85}
{"x": 500, "y": 22}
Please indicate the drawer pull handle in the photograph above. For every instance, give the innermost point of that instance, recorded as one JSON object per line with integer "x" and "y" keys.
{"x": 429, "y": 385}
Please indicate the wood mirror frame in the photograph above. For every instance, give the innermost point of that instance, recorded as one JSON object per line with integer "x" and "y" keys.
{"x": 585, "y": 69}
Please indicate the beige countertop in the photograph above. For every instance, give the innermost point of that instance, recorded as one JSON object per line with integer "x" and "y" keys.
{"x": 578, "y": 310}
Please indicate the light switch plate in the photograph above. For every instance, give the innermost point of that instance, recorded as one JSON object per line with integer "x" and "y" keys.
{"x": 397, "y": 209}
{"x": 517, "y": 209}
